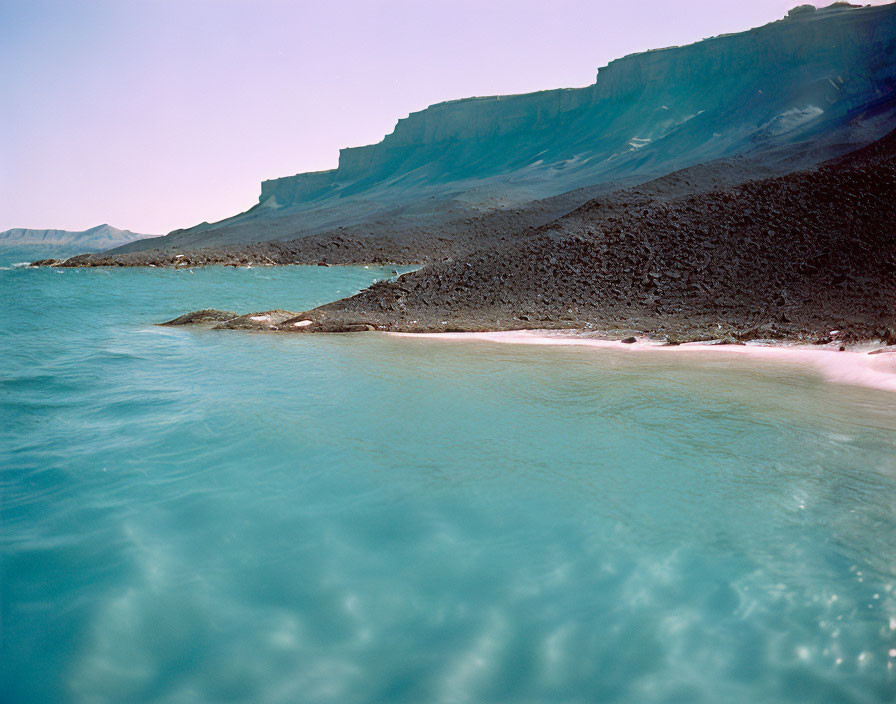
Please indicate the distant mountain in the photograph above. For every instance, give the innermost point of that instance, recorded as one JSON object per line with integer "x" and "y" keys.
{"x": 96, "y": 239}
{"x": 783, "y": 96}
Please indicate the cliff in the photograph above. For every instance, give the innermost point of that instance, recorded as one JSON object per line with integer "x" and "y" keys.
{"x": 786, "y": 95}
{"x": 701, "y": 101}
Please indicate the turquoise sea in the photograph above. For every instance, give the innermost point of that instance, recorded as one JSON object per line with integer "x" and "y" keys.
{"x": 198, "y": 516}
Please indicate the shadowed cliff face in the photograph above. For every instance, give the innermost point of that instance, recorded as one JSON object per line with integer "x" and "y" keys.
{"x": 820, "y": 77}
{"x": 659, "y": 110}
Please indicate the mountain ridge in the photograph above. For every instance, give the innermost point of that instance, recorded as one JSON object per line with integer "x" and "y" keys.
{"x": 99, "y": 237}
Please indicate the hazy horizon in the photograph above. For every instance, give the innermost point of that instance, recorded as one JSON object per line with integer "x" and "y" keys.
{"x": 157, "y": 117}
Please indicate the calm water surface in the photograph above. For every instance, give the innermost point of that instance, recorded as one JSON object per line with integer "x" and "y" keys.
{"x": 195, "y": 516}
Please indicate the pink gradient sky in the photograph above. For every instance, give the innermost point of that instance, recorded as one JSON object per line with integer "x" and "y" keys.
{"x": 154, "y": 115}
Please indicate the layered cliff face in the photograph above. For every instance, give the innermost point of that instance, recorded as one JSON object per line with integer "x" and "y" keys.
{"x": 660, "y": 109}
{"x": 816, "y": 75}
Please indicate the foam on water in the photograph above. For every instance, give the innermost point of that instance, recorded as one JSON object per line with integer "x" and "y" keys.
{"x": 195, "y": 516}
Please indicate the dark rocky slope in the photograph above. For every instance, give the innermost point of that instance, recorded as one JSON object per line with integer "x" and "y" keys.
{"x": 425, "y": 240}
{"x": 794, "y": 256}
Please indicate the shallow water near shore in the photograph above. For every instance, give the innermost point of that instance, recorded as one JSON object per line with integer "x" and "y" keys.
{"x": 196, "y": 516}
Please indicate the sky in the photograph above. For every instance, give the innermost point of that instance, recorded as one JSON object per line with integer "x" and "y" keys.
{"x": 153, "y": 115}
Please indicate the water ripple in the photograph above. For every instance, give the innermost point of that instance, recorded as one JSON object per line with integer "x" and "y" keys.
{"x": 192, "y": 517}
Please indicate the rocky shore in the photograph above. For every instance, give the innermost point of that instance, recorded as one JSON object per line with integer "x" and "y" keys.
{"x": 809, "y": 256}
{"x": 331, "y": 249}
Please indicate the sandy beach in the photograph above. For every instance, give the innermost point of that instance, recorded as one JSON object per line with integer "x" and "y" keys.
{"x": 869, "y": 366}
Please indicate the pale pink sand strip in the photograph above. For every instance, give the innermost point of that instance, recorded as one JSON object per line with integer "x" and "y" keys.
{"x": 855, "y": 367}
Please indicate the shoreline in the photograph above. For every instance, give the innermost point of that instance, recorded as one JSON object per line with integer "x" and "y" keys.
{"x": 867, "y": 365}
